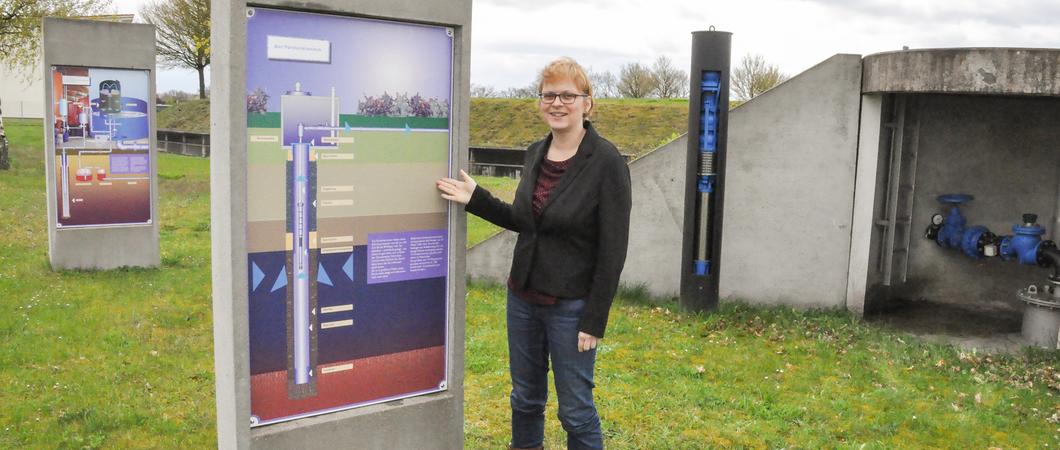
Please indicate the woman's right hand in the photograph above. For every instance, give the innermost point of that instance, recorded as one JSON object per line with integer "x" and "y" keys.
{"x": 457, "y": 190}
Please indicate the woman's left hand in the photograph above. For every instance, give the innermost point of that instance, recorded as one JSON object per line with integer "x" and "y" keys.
{"x": 587, "y": 341}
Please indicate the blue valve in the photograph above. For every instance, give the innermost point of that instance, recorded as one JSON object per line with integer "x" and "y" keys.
{"x": 1023, "y": 245}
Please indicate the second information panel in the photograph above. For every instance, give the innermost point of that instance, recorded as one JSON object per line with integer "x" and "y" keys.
{"x": 347, "y": 130}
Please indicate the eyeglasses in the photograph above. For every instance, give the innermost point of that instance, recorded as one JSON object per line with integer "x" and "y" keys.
{"x": 565, "y": 97}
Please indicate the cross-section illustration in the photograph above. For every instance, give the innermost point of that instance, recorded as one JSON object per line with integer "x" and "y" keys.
{"x": 348, "y": 128}
{"x": 102, "y": 141}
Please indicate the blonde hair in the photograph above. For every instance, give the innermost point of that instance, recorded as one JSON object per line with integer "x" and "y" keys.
{"x": 566, "y": 68}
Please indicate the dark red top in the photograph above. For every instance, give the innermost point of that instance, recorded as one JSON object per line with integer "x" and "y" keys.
{"x": 547, "y": 178}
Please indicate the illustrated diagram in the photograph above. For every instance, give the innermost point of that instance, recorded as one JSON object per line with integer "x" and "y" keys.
{"x": 348, "y": 124}
{"x": 102, "y": 146}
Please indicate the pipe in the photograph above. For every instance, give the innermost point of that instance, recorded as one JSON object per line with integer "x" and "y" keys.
{"x": 301, "y": 269}
{"x": 64, "y": 165}
{"x": 1049, "y": 255}
{"x": 334, "y": 112}
{"x": 1056, "y": 216}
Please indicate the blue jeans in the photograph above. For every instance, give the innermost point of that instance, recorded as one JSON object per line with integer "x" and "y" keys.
{"x": 537, "y": 333}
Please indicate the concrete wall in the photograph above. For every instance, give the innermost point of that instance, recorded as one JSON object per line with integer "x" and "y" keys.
{"x": 865, "y": 198}
{"x": 20, "y": 92}
{"x": 654, "y": 255}
{"x": 433, "y": 421}
{"x": 491, "y": 259}
{"x": 789, "y": 191}
{"x": 1002, "y": 150}
{"x": 657, "y": 221}
{"x": 1020, "y": 71}
{"x": 109, "y": 45}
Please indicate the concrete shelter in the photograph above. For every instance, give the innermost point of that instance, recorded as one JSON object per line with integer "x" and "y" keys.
{"x": 832, "y": 179}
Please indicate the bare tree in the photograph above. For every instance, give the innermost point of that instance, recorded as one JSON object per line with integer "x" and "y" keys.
{"x": 670, "y": 82}
{"x": 604, "y": 84}
{"x": 482, "y": 91}
{"x": 183, "y": 28}
{"x": 635, "y": 81}
{"x": 174, "y": 96}
{"x": 754, "y": 76}
{"x": 528, "y": 91}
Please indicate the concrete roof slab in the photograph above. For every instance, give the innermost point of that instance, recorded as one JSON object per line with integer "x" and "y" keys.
{"x": 986, "y": 71}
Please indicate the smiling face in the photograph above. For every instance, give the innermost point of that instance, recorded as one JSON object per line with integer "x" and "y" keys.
{"x": 560, "y": 116}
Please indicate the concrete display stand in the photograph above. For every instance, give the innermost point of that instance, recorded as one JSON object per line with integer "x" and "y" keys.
{"x": 430, "y": 421}
{"x": 94, "y": 44}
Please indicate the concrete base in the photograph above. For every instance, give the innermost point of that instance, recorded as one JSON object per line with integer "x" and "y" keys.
{"x": 105, "y": 248}
{"x": 421, "y": 423}
{"x": 966, "y": 328}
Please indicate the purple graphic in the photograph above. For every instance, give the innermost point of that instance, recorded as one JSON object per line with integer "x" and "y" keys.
{"x": 122, "y": 164}
{"x": 412, "y": 255}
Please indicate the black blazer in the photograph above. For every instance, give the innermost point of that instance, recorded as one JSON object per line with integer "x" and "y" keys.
{"x": 577, "y": 246}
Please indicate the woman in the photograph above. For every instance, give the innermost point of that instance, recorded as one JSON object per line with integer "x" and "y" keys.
{"x": 571, "y": 211}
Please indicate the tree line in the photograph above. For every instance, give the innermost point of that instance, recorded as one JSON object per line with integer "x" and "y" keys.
{"x": 662, "y": 79}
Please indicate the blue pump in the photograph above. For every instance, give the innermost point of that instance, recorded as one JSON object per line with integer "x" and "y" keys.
{"x": 708, "y": 148}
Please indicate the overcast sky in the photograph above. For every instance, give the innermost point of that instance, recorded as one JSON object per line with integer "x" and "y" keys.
{"x": 513, "y": 39}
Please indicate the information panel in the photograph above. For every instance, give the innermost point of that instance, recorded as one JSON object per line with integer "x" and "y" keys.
{"x": 102, "y": 146}
{"x": 347, "y": 130}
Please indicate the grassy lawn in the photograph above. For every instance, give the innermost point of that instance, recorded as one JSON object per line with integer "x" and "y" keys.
{"x": 635, "y": 126}
{"x": 123, "y": 359}
{"x": 503, "y": 188}
{"x": 189, "y": 115}
{"x": 104, "y": 359}
{"x": 748, "y": 377}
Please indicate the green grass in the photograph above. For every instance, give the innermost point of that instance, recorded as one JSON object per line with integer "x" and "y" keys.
{"x": 123, "y": 359}
{"x": 635, "y": 126}
{"x": 104, "y": 359}
{"x": 746, "y": 377}
{"x": 190, "y": 115}
{"x": 503, "y": 188}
